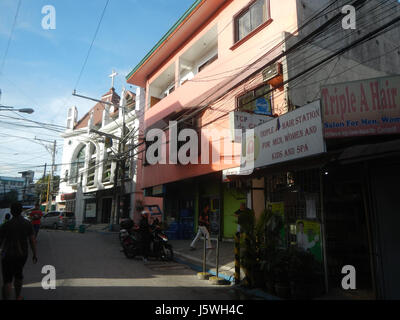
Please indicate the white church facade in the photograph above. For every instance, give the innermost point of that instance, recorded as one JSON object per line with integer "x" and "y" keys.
{"x": 92, "y": 148}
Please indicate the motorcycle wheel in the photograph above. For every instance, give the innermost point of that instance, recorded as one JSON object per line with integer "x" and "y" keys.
{"x": 167, "y": 253}
{"x": 129, "y": 254}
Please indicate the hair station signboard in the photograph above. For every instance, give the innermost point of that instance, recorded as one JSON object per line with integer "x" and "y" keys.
{"x": 296, "y": 134}
{"x": 360, "y": 108}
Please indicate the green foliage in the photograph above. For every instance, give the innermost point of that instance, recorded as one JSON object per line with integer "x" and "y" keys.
{"x": 304, "y": 267}
{"x": 41, "y": 187}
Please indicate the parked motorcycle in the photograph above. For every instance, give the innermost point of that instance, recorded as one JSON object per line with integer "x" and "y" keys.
{"x": 130, "y": 238}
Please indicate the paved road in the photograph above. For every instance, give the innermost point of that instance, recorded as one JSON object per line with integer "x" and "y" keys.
{"x": 91, "y": 266}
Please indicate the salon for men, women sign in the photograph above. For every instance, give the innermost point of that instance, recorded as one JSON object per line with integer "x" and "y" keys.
{"x": 359, "y": 108}
{"x": 296, "y": 134}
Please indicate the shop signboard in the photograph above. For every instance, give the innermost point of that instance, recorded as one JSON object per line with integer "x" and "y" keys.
{"x": 296, "y": 134}
{"x": 240, "y": 121}
{"x": 361, "y": 108}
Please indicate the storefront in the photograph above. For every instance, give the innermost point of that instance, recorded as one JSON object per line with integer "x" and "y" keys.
{"x": 362, "y": 125}
{"x": 90, "y": 209}
{"x": 68, "y": 201}
{"x": 104, "y": 202}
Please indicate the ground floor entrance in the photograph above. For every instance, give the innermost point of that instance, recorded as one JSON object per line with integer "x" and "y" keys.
{"x": 347, "y": 220}
{"x": 106, "y": 207}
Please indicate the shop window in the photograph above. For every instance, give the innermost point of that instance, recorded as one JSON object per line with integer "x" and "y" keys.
{"x": 107, "y": 168}
{"x": 77, "y": 164}
{"x": 296, "y": 195}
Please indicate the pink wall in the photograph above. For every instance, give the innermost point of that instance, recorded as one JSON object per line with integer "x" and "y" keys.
{"x": 230, "y": 66}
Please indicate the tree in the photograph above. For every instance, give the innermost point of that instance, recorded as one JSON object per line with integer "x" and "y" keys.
{"x": 41, "y": 187}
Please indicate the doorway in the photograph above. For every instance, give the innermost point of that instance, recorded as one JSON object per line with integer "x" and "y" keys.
{"x": 106, "y": 210}
{"x": 347, "y": 234}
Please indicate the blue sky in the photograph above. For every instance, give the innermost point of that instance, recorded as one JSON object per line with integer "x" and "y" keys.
{"x": 42, "y": 66}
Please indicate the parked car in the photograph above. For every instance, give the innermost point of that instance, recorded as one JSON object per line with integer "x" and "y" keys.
{"x": 58, "y": 219}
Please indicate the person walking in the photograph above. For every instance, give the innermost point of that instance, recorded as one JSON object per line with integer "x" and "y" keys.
{"x": 204, "y": 226}
{"x": 36, "y": 215}
{"x": 14, "y": 238}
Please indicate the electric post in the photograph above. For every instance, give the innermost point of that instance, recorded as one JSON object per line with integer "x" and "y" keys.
{"x": 51, "y": 175}
{"x": 119, "y": 174}
{"x": 50, "y": 182}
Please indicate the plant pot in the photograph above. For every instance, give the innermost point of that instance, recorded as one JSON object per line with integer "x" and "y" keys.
{"x": 282, "y": 290}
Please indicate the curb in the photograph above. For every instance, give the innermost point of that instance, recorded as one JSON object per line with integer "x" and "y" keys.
{"x": 253, "y": 292}
{"x": 200, "y": 269}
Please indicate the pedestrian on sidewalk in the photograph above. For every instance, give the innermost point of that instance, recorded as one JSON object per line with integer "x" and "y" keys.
{"x": 36, "y": 215}
{"x": 14, "y": 237}
{"x": 204, "y": 226}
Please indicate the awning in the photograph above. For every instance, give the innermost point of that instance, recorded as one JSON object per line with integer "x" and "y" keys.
{"x": 370, "y": 151}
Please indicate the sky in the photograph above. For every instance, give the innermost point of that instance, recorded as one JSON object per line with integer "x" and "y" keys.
{"x": 41, "y": 67}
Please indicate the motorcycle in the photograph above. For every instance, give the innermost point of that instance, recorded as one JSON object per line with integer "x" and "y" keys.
{"x": 130, "y": 239}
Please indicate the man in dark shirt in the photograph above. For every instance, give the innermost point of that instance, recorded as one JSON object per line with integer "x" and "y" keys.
{"x": 14, "y": 237}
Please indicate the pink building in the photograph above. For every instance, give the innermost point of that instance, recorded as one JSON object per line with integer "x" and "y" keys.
{"x": 233, "y": 64}
{"x": 206, "y": 66}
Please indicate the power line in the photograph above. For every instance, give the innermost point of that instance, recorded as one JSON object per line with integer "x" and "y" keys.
{"x": 91, "y": 45}
{"x": 10, "y": 38}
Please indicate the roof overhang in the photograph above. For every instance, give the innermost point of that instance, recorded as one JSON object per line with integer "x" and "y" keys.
{"x": 181, "y": 31}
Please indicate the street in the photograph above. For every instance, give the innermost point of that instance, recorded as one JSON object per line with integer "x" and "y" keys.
{"x": 91, "y": 266}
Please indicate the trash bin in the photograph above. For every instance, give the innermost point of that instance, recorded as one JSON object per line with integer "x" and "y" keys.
{"x": 82, "y": 228}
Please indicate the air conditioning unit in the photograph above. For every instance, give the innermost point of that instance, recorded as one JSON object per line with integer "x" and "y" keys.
{"x": 272, "y": 71}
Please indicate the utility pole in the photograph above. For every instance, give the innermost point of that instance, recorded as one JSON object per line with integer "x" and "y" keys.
{"x": 53, "y": 158}
{"x": 44, "y": 176}
{"x": 119, "y": 174}
{"x": 50, "y": 182}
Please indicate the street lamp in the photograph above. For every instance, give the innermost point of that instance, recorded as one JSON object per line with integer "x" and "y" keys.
{"x": 23, "y": 110}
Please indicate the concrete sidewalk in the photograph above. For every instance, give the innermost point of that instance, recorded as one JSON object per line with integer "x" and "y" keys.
{"x": 226, "y": 263}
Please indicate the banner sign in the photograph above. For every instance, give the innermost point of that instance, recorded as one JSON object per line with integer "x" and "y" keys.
{"x": 308, "y": 237}
{"x": 296, "y": 134}
{"x": 240, "y": 121}
{"x": 361, "y": 108}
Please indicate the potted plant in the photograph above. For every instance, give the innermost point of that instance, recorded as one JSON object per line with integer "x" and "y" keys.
{"x": 281, "y": 273}
{"x": 268, "y": 234}
{"x": 248, "y": 252}
{"x": 305, "y": 274}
